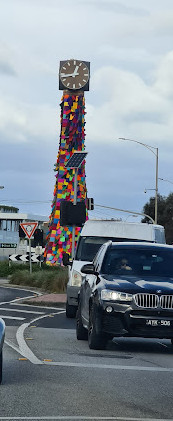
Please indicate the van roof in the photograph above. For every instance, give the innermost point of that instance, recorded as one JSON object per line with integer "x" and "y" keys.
{"x": 119, "y": 229}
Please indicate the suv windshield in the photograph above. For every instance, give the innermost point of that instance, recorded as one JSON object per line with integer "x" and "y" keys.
{"x": 143, "y": 261}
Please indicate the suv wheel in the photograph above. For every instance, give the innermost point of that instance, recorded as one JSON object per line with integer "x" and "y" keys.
{"x": 172, "y": 341}
{"x": 70, "y": 311}
{"x": 81, "y": 332}
{"x": 95, "y": 340}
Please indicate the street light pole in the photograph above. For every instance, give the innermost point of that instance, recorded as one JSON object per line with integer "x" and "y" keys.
{"x": 156, "y": 193}
{"x": 74, "y": 203}
{"x": 155, "y": 151}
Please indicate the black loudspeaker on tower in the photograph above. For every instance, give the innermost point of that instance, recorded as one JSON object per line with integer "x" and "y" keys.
{"x": 72, "y": 214}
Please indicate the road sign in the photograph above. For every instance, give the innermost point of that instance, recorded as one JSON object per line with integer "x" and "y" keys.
{"x": 8, "y": 245}
{"x": 29, "y": 228}
{"x": 35, "y": 258}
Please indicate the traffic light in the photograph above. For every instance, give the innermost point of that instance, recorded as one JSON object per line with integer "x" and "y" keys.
{"x": 72, "y": 214}
{"x": 90, "y": 203}
{"x": 38, "y": 237}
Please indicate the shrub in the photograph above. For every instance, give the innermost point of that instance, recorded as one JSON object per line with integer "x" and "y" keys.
{"x": 50, "y": 280}
{"x": 6, "y": 270}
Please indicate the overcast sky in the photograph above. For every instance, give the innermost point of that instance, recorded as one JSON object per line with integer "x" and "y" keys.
{"x": 130, "y": 46}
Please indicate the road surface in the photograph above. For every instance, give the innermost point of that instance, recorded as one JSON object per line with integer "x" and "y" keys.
{"x": 49, "y": 375}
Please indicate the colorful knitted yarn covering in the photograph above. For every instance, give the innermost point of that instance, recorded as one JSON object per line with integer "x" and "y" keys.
{"x": 72, "y": 137}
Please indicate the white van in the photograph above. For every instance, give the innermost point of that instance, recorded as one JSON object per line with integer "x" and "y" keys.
{"x": 94, "y": 233}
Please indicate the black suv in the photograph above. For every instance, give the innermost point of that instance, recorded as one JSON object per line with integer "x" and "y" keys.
{"x": 127, "y": 291}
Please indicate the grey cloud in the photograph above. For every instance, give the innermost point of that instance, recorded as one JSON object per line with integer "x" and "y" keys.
{"x": 153, "y": 117}
{"x": 6, "y": 69}
{"x": 116, "y": 7}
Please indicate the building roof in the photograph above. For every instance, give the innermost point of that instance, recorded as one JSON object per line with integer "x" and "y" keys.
{"x": 23, "y": 217}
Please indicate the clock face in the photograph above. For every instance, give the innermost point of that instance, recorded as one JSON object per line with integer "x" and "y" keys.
{"x": 74, "y": 74}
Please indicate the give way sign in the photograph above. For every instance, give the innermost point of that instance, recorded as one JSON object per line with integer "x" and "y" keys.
{"x": 29, "y": 228}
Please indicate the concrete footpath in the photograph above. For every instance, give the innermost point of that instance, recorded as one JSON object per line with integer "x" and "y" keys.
{"x": 48, "y": 299}
{"x": 42, "y": 298}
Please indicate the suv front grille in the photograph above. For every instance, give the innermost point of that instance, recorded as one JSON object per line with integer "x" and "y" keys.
{"x": 146, "y": 300}
{"x": 166, "y": 301}
{"x": 154, "y": 301}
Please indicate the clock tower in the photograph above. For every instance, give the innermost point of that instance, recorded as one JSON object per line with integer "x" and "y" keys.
{"x": 74, "y": 76}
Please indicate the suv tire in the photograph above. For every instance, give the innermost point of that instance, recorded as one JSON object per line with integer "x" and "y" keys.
{"x": 81, "y": 332}
{"x": 70, "y": 311}
{"x": 95, "y": 340}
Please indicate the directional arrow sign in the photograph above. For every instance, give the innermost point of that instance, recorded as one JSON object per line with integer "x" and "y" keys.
{"x": 35, "y": 258}
{"x": 29, "y": 228}
{"x": 13, "y": 257}
{"x": 24, "y": 258}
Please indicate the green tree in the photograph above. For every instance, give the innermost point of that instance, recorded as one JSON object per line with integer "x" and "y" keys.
{"x": 165, "y": 214}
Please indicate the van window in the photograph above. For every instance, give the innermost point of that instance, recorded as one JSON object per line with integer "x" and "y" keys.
{"x": 159, "y": 236}
{"x": 89, "y": 246}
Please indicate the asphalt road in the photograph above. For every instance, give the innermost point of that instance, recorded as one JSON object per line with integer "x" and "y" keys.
{"x": 48, "y": 374}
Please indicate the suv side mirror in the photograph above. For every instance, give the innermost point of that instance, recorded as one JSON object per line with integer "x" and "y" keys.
{"x": 89, "y": 269}
{"x": 66, "y": 260}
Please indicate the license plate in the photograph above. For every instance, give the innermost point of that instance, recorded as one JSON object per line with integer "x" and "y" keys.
{"x": 163, "y": 323}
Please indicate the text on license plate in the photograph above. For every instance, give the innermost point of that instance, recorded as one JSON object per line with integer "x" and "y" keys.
{"x": 158, "y": 322}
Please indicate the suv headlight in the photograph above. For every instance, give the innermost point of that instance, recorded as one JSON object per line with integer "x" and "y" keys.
{"x": 107, "y": 294}
{"x": 76, "y": 279}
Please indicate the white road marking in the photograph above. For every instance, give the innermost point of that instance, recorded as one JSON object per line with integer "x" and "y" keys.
{"x": 26, "y": 352}
{"x": 16, "y": 299}
{"x": 42, "y": 317}
{"x": 9, "y": 343}
{"x": 79, "y": 418}
{"x": 21, "y": 298}
{"x": 36, "y": 306}
{"x": 111, "y": 366}
{"x": 23, "y": 347}
{"x": 21, "y": 311}
{"x": 22, "y": 289}
{"x": 12, "y": 318}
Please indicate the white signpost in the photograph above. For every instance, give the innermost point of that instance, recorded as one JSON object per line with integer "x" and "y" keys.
{"x": 29, "y": 228}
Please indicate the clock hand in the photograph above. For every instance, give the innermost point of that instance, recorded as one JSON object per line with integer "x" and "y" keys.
{"x": 76, "y": 69}
{"x": 69, "y": 74}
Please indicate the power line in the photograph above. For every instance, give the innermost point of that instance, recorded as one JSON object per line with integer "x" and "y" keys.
{"x": 23, "y": 202}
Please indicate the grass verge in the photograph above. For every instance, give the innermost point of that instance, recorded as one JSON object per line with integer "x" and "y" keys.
{"x": 49, "y": 279}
